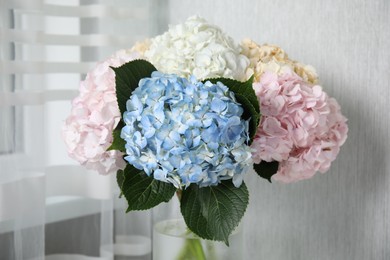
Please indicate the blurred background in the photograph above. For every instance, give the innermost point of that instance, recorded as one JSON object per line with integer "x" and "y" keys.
{"x": 51, "y": 207}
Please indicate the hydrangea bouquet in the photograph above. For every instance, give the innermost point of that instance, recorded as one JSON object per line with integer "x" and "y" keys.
{"x": 191, "y": 112}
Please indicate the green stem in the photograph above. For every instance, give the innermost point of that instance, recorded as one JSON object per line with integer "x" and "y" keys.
{"x": 179, "y": 193}
{"x": 198, "y": 249}
{"x": 192, "y": 250}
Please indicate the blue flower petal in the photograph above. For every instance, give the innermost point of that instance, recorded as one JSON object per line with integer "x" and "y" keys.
{"x": 183, "y": 131}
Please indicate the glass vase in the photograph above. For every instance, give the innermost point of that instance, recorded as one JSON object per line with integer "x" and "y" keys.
{"x": 172, "y": 240}
{"x": 133, "y": 231}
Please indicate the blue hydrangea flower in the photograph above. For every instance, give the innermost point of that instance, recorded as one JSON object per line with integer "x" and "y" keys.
{"x": 183, "y": 131}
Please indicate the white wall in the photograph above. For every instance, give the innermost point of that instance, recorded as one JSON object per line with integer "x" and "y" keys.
{"x": 345, "y": 213}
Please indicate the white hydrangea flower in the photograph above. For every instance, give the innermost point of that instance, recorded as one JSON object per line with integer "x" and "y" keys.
{"x": 197, "y": 48}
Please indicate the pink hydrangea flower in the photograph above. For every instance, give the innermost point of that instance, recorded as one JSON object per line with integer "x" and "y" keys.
{"x": 95, "y": 114}
{"x": 301, "y": 127}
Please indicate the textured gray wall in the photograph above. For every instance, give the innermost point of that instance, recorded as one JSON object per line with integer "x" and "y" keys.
{"x": 345, "y": 213}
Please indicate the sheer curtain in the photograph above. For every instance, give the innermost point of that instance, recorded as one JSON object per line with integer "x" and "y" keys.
{"x": 49, "y": 206}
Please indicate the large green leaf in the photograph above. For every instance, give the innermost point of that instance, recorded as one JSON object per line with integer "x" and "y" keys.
{"x": 266, "y": 169}
{"x": 120, "y": 178}
{"x": 214, "y": 212}
{"x": 127, "y": 77}
{"x": 244, "y": 88}
{"x": 143, "y": 192}
{"x": 246, "y": 96}
{"x": 249, "y": 113}
{"x": 118, "y": 143}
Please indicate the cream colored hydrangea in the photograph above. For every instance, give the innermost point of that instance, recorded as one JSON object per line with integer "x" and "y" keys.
{"x": 197, "y": 48}
{"x": 272, "y": 58}
{"x": 307, "y": 72}
{"x": 141, "y": 47}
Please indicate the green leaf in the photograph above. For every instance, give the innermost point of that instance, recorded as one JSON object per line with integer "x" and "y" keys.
{"x": 144, "y": 192}
{"x": 118, "y": 143}
{"x": 266, "y": 169}
{"x": 214, "y": 212}
{"x": 249, "y": 113}
{"x": 127, "y": 77}
{"x": 246, "y": 96}
{"x": 120, "y": 179}
{"x": 238, "y": 87}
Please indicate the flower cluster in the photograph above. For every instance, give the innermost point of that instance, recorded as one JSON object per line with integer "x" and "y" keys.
{"x": 271, "y": 58}
{"x": 301, "y": 127}
{"x": 88, "y": 130}
{"x": 183, "y": 131}
{"x": 197, "y": 48}
{"x": 141, "y": 47}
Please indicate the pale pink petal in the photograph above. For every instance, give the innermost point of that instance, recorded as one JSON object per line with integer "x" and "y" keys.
{"x": 301, "y": 127}
{"x": 87, "y": 132}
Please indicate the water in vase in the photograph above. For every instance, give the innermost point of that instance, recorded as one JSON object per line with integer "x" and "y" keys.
{"x": 173, "y": 241}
